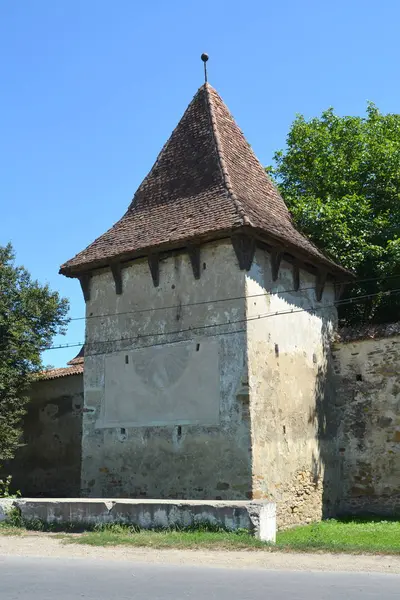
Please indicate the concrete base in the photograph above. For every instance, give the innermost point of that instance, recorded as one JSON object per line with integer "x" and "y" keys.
{"x": 257, "y": 517}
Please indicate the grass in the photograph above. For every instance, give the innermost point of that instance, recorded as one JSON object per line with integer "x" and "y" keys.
{"x": 6, "y": 529}
{"x": 348, "y": 535}
{"x": 374, "y": 536}
{"x": 120, "y": 535}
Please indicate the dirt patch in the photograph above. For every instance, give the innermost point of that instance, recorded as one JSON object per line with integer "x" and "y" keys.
{"x": 45, "y": 545}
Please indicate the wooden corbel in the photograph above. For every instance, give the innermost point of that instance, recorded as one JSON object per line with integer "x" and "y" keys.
{"x": 154, "y": 266}
{"x": 276, "y": 257}
{"x": 339, "y": 290}
{"x": 194, "y": 256}
{"x": 117, "y": 275}
{"x": 84, "y": 280}
{"x": 296, "y": 276}
{"x": 320, "y": 283}
{"x": 244, "y": 247}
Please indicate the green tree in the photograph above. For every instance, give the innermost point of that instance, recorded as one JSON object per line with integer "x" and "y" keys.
{"x": 340, "y": 177}
{"x": 30, "y": 315}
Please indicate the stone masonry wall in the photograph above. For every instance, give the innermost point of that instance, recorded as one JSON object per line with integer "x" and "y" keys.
{"x": 287, "y": 355}
{"x": 176, "y": 444}
{"x": 49, "y": 462}
{"x": 367, "y": 382}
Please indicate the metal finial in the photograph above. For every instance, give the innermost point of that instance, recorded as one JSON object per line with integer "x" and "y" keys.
{"x": 204, "y": 58}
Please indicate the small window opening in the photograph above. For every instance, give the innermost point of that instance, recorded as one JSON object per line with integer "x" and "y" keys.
{"x": 197, "y": 347}
{"x": 284, "y": 429}
{"x": 276, "y": 350}
{"x": 204, "y": 266}
{"x": 123, "y": 431}
{"x": 359, "y": 377}
{"x": 179, "y": 432}
{"x": 126, "y": 359}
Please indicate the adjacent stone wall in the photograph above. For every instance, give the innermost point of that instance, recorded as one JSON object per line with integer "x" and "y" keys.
{"x": 367, "y": 383}
{"x": 179, "y": 446}
{"x": 287, "y": 356}
{"x": 49, "y": 462}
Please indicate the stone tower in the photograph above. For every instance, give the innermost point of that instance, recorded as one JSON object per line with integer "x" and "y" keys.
{"x": 208, "y": 316}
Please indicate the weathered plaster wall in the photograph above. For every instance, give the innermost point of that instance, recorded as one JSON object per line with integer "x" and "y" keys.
{"x": 180, "y": 460}
{"x": 287, "y": 357}
{"x": 367, "y": 381}
{"x": 49, "y": 463}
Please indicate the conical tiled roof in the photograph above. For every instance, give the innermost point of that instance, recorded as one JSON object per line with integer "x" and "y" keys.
{"x": 79, "y": 358}
{"x": 206, "y": 182}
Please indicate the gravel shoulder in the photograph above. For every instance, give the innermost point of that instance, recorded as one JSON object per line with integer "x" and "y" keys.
{"x": 46, "y": 545}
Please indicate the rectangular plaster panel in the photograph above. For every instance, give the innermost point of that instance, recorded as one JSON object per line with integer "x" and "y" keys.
{"x": 163, "y": 385}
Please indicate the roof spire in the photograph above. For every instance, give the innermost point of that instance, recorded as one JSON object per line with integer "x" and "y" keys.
{"x": 204, "y": 58}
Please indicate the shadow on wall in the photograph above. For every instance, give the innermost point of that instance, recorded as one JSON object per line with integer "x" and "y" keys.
{"x": 48, "y": 462}
{"x": 327, "y": 466}
{"x": 367, "y": 404}
{"x": 358, "y": 428}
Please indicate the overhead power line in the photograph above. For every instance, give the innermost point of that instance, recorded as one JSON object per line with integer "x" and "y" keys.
{"x": 228, "y": 299}
{"x": 352, "y": 300}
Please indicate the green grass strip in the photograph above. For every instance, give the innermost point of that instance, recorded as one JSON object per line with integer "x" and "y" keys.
{"x": 375, "y": 536}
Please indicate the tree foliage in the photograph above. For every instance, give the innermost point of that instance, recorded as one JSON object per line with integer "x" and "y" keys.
{"x": 30, "y": 315}
{"x": 340, "y": 177}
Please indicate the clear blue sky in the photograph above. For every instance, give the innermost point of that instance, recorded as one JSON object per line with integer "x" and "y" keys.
{"x": 90, "y": 91}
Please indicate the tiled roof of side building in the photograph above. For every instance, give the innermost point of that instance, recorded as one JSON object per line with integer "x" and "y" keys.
{"x": 62, "y": 372}
{"x": 75, "y": 367}
{"x": 206, "y": 182}
{"x": 367, "y": 332}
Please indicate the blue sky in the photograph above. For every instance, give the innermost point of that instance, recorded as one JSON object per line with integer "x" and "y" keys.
{"x": 90, "y": 91}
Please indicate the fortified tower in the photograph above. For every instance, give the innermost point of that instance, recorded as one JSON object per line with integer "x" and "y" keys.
{"x": 208, "y": 319}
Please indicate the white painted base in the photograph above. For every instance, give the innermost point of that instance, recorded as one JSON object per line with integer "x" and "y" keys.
{"x": 257, "y": 517}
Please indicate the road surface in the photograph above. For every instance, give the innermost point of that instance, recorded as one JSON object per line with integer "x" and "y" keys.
{"x": 27, "y": 578}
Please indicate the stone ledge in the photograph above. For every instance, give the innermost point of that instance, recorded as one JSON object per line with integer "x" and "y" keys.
{"x": 257, "y": 517}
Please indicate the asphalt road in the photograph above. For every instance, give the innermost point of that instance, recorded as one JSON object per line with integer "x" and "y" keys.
{"x": 23, "y": 578}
